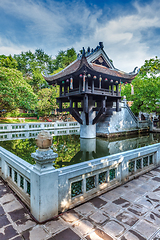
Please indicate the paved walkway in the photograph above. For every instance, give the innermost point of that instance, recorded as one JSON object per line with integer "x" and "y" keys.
{"x": 129, "y": 212}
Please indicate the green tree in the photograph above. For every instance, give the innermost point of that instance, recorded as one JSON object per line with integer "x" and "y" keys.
{"x": 32, "y": 64}
{"x": 146, "y": 88}
{"x": 64, "y": 58}
{"x": 36, "y": 81}
{"x": 28, "y": 61}
{"x": 47, "y": 101}
{"x": 15, "y": 92}
{"x": 151, "y": 67}
{"x": 8, "y": 62}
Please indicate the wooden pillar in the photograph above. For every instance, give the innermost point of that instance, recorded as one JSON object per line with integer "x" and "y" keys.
{"x": 76, "y": 104}
{"x": 86, "y": 88}
{"x": 65, "y": 89}
{"x": 112, "y": 89}
{"x": 71, "y": 103}
{"x": 85, "y": 103}
{"x": 60, "y": 90}
{"x": 104, "y": 104}
{"x": 80, "y": 85}
{"x": 117, "y": 89}
{"x": 92, "y": 85}
{"x": 117, "y": 105}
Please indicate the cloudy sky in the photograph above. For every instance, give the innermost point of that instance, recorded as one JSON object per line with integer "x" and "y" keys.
{"x": 130, "y": 30}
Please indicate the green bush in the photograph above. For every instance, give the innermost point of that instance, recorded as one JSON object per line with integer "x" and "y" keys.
{"x": 16, "y": 113}
{"x": 13, "y": 113}
{"x": 27, "y": 115}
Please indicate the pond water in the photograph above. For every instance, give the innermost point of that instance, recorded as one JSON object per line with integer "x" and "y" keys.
{"x": 71, "y": 149}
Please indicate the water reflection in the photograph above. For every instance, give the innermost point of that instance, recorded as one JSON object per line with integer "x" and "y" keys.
{"x": 71, "y": 149}
{"x": 32, "y": 134}
{"x": 100, "y": 147}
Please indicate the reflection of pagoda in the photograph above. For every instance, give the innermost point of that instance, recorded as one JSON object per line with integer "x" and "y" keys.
{"x": 90, "y": 84}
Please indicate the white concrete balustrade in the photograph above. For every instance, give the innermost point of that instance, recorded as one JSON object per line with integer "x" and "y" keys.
{"x": 48, "y": 191}
{"x": 36, "y": 126}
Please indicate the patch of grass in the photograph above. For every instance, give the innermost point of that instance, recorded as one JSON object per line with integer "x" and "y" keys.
{"x": 32, "y": 120}
{"x": 9, "y": 121}
{"x": 17, "y": 121}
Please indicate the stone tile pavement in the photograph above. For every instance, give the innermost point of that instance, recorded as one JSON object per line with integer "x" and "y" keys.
{"x": 129, "y": 212}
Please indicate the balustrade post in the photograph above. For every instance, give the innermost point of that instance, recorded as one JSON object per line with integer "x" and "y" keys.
{"x": 4, "y": 167}
{"x": 44, "y": 180}
{"x": 27, "y": 127}
{"x": 9, "y": 127}
{"x": 124, "y": 166}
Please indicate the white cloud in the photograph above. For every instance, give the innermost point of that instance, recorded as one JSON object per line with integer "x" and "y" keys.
{"x": 56, "y": 26}
{"x": 7, "y": 47}
{"x": 123, "y": 36}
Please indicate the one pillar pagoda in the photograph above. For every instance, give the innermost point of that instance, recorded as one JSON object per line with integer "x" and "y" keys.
{"x": 90, "y": 85}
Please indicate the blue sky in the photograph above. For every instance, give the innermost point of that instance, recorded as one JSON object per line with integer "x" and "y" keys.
{"x": 130, "y": 30}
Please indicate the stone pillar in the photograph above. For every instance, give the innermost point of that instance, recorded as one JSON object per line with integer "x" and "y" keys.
{"x": 88, "y": 131}
{"x": 44, "y": 180}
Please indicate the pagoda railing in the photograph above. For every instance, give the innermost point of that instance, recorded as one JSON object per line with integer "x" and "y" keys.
{"x": 89, "y": 90}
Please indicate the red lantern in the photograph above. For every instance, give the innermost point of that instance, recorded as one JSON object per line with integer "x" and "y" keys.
{"x": 71, "y": 83}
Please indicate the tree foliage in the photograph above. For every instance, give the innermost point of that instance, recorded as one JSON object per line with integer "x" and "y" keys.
{"x": 20, "y": 89}
{"x": 64, "y": 58}
{"x": 15, "y": 92}
{"x": 8, "y": 62}
{"x": 47, "y": 101}
{"x": 151, "y": 67}
{"x": 146, "y": 88}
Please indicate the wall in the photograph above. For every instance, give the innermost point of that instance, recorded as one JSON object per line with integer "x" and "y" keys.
{"x": 119, "y": 122}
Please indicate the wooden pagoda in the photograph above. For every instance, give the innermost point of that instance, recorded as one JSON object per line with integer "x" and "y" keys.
{"x": 90, "y": 84}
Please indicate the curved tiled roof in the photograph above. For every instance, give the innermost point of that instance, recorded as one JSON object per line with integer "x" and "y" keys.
{"x": 66, "y": 71}
{"x": 112, "y": 72}
{"x": 98, "y": 69}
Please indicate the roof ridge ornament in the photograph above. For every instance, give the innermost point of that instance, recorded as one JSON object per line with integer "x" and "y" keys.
{"x": 101, "y": 45}
{"x": 136, "y": 70}
{"x": 83, "y": 52}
